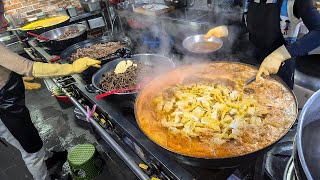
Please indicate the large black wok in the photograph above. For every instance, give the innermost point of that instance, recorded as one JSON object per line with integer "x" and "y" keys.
{"x": 37, "y": 28}
{"x": 66, "y": 54}
{"x": 158, "y": 62}
{"x": 60, "y": 44}
{"x": 87, "y": 74}
{"x": 214, "y": 163}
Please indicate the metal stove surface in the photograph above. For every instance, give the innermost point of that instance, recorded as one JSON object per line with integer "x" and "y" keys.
{"x": 119, "y": 110}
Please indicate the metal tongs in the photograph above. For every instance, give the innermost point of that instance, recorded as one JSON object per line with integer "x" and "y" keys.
{"x": 253, "y": 78}
{"x": 123, "y": 53}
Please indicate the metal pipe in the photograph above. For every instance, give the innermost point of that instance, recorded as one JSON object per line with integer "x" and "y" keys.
{"x": 111, "y": 142}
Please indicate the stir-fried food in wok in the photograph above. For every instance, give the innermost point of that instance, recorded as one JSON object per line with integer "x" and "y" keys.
{"x": 97, "y": 51}
{"x": 127, "y": 74}
{"x": 205, "y": 111}
{"x": 212, "y": 110}
{"x": 68, "y": 33}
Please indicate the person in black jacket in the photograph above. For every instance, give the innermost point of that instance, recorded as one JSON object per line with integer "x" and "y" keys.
{"x": 273, "y": 27}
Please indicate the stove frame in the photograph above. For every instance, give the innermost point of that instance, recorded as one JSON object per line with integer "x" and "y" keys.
{"x": 123, "y": 135}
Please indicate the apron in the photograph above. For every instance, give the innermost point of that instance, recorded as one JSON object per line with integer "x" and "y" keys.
{"x": 263, "y": 22}
{"x": 15, "y": 115}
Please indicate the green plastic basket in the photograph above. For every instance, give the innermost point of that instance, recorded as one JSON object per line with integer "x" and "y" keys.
{"x": 84, "y": 161}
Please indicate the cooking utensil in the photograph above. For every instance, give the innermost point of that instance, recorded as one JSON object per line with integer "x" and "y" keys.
{"x": 138, "y": 87}
{"x": 250, "y": 80}
{"x": 38, "y": 36}
{"x": 190, "y": 41}
{"x": 21, "y": 29}
{"x": 173, "y": 78}
{"x": 57, "y": 58}
{"x": 308, "y": 139}
{"x": 56, "y": 43}
{"x": 66, "y": 54}
{"x": 123, "y": 53}
{"x": 42, "y": 25}
{"x": 160, "y": 64}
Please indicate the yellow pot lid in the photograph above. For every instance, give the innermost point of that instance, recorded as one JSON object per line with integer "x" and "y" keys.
{"x": 46, "y": 22}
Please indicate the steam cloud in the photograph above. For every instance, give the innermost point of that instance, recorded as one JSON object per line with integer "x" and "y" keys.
{"x": 169, "y": 30}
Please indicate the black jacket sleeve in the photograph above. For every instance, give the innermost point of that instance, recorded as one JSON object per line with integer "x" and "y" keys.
{"x": 306, "y": 10}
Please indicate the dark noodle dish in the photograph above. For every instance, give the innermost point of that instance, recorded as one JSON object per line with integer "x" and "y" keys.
{"x": 97, "y": 50}
{"x": 127, "y": 74}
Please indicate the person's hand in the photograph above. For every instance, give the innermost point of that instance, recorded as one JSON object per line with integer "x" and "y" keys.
{"x": 42, "y": 70}
{"x": 219, "y": 32}
{"x": 271, "y": 64}
{"x": 30, "y": 85}
{"x": 82, "y": 64}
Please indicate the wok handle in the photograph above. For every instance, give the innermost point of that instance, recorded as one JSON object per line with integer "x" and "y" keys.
{"x": 55, "y": 59}
{"x": 114, "y": 91}
{"x": 38, "y": 36}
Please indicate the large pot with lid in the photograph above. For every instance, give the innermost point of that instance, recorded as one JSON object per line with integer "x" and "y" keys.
{"x": 308, "y": 137}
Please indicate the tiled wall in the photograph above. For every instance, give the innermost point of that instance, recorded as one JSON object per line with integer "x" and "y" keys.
{"x": 28, "y": 8}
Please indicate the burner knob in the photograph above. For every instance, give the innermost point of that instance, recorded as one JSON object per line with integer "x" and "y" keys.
{"x": 154, "y": 168}
{"x": 150, "y": 170}
{"x": 110, "y": 125}
{"x": 146, "y": 169}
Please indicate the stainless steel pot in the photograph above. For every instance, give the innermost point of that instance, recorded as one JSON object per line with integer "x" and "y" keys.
{"x": 308, "y": 137}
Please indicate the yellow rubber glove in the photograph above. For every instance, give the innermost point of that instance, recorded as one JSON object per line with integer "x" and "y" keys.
{"x": 272, "y": 63}
{"x": 219, "y": 32}
{"x": 42, "y": 70}
{"x": 30, "y": 85}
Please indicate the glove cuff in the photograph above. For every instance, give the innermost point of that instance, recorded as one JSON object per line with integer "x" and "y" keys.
{"x": 282, "y": 53}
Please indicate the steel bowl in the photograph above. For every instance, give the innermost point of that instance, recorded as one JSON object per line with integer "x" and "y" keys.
{"x": 189, "y": 41}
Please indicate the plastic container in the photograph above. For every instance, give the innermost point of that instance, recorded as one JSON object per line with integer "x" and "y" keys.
{"x": 64, "y": 101}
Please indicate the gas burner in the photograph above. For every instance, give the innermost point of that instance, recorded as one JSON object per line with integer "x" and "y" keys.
{"x": 278, "y": 157}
